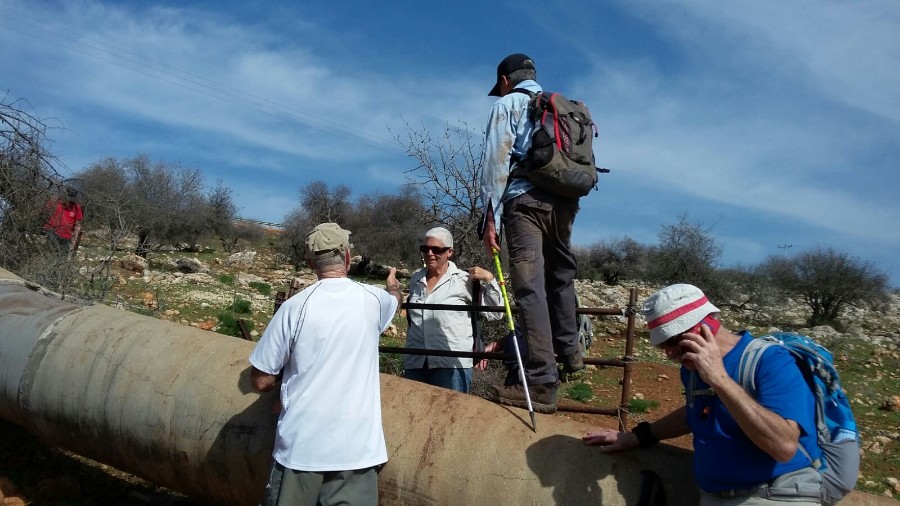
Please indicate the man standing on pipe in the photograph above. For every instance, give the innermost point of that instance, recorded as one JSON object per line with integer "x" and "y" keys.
{"x": 538, "y": 228}
{"x": 323, "y": 345}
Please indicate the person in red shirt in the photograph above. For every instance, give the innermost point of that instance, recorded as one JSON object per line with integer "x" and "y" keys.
{"x": 64, "y": 223}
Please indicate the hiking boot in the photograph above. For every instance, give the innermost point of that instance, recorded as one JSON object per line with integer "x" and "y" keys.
{"x": 543, "y": 396}
{"x": 572, "y": 367}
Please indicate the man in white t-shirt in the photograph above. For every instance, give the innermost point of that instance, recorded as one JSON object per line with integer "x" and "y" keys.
{"x": 323, "y": 346}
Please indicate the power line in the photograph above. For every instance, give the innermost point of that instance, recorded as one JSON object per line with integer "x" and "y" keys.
{"x": 170, "y": 74}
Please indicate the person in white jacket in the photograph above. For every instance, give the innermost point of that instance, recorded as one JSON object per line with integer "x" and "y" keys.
{"x": 442, "y": 282}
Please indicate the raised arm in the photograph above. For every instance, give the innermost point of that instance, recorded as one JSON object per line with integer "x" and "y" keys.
{"x": 766, "y": 429}
{"x": 393, "y": 286}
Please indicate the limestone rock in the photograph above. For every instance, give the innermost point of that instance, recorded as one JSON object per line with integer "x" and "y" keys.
{"x": 893, "y": 483}
{"x": 242, "y": 259}
{"x": 149, "y": 300}
{"x": 133, "y": 263}
{"x": 191, "y": 265}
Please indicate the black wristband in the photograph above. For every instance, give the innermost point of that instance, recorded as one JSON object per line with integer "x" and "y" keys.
{"x": 644, "y": 435}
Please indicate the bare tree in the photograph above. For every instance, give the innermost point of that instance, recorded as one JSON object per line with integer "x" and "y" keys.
{"x": 246, "y": 231}
{"x": 323, "y": 204}
{"x": 448, "y": 173}
{"x": 161, "y": 203}
{"x": 222, "y": 212}
{"x": 189, "y": 217}
{"x": 828, "y": 281}
{"x": 28, "y": 180}
{"x": 292, "y": 241}
{"x": 686, "y": 253}
{"x": 386, "y": 227}
{"x": 318, "y": 204}
{"x": 107, "y": 195}
{"x": 613, "y": 261}
{"x": 223, "y": 219}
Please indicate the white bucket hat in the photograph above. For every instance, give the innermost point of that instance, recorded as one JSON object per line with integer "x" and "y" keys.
{"x": 675, "y": 309}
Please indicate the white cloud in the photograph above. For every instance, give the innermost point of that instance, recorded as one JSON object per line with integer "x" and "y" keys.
{"x": 847, "y": 50}
{"x": 770, "y": 108}
{"x": 757, "y": 141}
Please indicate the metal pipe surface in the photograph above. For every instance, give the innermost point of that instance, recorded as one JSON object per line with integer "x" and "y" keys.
{"x": 174, "y": 404}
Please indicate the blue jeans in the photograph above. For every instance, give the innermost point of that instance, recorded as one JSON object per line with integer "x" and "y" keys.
{"x": 446, "y": 377}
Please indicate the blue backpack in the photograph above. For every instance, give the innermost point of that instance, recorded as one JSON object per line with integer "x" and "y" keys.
{"x": 835, "y": 426}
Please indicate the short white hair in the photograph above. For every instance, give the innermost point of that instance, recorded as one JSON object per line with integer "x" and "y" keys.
{"x": 441, "y": 234}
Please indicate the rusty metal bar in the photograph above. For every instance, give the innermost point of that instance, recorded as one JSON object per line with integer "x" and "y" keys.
{"x": 620, "y": 412}
{"x": 575, "y": 407}
{"x": 446, "y": 353}
{"x": 485, "y": 355}
{"x": 610, "y": 362}
{"x": 629, "y": 351}
{"x": 280, "y": 297}
{"x": 593, "y": 311}
{"x": 245, "y": 332}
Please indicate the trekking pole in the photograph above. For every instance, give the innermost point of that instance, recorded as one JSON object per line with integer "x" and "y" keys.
{"x": 515, "y": 340}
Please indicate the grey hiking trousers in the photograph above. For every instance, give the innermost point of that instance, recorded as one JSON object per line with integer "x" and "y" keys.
{"x": 538, "y": 229}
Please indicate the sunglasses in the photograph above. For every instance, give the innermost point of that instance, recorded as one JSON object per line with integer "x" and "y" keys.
{"x": 710, "y": 322}
{"x": 671, "y": 342}
{"x": 674, "y": 340}
{"x": 436, "y": 250}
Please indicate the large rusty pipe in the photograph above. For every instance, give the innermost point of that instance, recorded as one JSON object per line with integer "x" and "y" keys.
{"x": 173, "y": 404}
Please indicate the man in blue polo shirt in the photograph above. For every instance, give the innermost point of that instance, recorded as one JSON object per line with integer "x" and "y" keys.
{"x": 747, "y": 450}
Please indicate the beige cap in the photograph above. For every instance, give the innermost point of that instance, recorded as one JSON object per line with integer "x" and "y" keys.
{"x": 327, "y": 239}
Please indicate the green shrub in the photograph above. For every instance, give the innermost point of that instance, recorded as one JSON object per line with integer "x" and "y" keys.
{"x": 390, "y": 363}
{"x": 580, "y": 392}
{"x": 263, "y": 288}
{"x": 226, "y": 279}
{"x": 228, "y": 324}
{"x": 642, "y": 405}
{"x": 240, "y": 306}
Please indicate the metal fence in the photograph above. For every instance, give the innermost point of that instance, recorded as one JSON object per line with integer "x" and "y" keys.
{"x": 626, "y": 362}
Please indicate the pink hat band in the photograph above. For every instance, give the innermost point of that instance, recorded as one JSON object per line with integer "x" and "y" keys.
{"x": 674, "y": 310}
{"x": 683, "y": 310}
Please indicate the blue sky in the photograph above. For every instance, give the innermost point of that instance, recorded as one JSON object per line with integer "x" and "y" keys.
{"x": 775, "y": 123}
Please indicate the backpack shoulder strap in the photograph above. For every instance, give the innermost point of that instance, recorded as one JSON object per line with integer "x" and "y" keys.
{"x": 747, "y": 375}
{"x": 750, "y": 361}
{"x": 523, "y": 91}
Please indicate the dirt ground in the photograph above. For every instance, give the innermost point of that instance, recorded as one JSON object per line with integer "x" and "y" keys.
{"x": 32, "y": 473}
{"x": 651, "y": 381}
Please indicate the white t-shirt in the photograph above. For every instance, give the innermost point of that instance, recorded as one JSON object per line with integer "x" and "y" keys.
{"x": 326, "y": 339}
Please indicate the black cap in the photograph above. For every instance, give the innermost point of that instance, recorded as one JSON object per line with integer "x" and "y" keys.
{"x": 510, "y": 64}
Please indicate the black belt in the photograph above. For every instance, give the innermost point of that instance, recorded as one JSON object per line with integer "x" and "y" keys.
{"x": 759, "y": 490}
{"x": 763, "y": 490}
